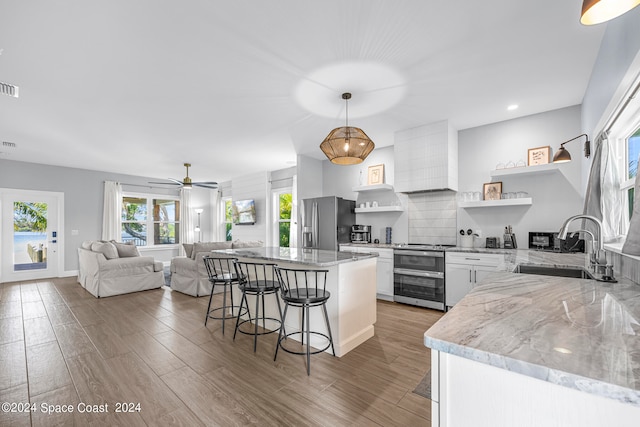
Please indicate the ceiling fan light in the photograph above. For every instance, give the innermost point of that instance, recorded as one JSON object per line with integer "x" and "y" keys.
{"x": 599, "y": 11}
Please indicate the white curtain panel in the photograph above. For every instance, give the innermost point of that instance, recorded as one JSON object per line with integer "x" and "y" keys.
{"x": 611, "y": 199}
{"x": 603, "y": 198}
{"x": 186, "y": 218}
{"x": 112, "y": 211}
{"x": 218, "y": 217}
{"x": 293, "y": 229}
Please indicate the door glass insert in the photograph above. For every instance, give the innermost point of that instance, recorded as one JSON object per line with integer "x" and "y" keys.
{"x": 29, "y": 236}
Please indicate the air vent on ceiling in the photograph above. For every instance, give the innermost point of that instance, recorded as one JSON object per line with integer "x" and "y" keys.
{"x": 7, "y": 89}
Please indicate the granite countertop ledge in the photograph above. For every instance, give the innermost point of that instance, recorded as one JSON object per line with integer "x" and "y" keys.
{"x": 309, "y": 257}
{"x": 577, "y": 333}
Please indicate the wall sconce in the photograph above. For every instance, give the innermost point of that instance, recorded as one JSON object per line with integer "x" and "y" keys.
{"x": 198, "y": 229}
{"x": 563, "y": 156}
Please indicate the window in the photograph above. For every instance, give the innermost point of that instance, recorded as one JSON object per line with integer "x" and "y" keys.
{"x": 632, "y": 151}
{"x": 227, "y": 224}
{"x": 161, "y": 227}
{"x": 282, "y": 226}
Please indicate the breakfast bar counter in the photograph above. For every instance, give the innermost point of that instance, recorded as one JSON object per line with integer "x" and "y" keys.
{"x": 351, "y": 281}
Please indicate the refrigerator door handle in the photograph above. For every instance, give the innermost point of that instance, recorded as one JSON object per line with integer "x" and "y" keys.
{"x": 314, "y": 225}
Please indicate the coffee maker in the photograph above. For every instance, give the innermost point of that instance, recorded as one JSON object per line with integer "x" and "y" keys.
{"x": 360, "y": 234}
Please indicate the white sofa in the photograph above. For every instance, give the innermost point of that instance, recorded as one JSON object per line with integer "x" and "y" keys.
{"x": 111, "y": 268}
{"x": 188, "y": 273}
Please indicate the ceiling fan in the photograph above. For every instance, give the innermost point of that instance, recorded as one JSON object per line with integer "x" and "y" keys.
{"x": 187, "y": 183}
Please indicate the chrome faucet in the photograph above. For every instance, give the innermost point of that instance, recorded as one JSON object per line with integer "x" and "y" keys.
{"x": 598, "y": 260}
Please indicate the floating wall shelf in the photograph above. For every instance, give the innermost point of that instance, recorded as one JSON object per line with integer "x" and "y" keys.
{"x": 495, "y": 203}
{"x": 380, "y": 209}
{"x": 526, "y": 170}
{"x": 375, "y": 187}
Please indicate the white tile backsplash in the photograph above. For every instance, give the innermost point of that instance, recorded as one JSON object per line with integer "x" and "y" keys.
{"x": 433, "y": 217}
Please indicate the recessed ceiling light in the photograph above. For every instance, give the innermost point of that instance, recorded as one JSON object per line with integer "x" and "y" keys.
{"x": 512, "y": 107}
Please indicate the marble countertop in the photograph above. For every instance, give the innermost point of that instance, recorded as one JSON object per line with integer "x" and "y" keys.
{"x": 577, "y": 333}
{"x": 311, "y": 257}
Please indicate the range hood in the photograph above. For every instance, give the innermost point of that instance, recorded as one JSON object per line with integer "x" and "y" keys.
{"x": 426, "y": 158}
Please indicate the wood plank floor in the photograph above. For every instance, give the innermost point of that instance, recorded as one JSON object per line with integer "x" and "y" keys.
{"x": 61, "y": 346}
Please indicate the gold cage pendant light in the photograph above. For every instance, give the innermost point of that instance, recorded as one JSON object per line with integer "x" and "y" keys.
{"x": 347, "y": 145}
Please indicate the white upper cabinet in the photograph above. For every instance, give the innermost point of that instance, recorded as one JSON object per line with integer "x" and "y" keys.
{"x": 426, "y": 158}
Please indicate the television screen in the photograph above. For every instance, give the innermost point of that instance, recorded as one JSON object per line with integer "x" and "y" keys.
{"x": 244, "y": 212}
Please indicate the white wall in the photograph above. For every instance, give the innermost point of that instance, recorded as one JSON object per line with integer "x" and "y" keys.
{"x": 83, "y": 197}
{"x": 254, "y": 187}
{"x": 555, "y": 196}
{"x": 339, "y": 181}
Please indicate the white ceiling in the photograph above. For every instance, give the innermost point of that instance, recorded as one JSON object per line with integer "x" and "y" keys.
{"x": 140, "y": 87}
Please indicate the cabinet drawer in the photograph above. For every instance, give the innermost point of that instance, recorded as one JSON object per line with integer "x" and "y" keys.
{"x": 471, "y": 258}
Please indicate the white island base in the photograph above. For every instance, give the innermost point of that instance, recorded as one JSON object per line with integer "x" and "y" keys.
{"x": 351, "y": 307}
{"x": 469, "y": 393}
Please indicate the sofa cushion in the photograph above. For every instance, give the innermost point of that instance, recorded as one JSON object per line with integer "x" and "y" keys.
{"x": 126, "y": 250}
{"x": 247, "y": 244}
{"x": 188, "y": 249}
{"x": 108, "y": 249}
{"x": 208, "y": 247}
{"x": 87, "y": 244}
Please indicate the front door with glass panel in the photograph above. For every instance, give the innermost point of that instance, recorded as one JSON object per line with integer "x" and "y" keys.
{"x": 30, "y": 235}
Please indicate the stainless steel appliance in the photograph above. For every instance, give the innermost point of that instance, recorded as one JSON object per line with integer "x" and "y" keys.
{"x": 418, "y": 275}
{"x": 548, "y": 241}
{"x": 326, "y": 222}
{"x": 360, "y": 233}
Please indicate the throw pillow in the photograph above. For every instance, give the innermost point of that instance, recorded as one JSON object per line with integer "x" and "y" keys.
{"x": 126, "y": 250}
{"x": 208, "y": 247}
{"x": 86, "y": 244}
{"x": 108, "y": 249}
{"x": 247, "y": 244}
{"x": 188, "y": 249}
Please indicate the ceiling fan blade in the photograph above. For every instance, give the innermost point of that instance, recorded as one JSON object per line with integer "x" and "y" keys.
{"x": 176, "y": 181}
{"x": 206, "y": 182}
{"x": 204, "y": 185}
{"x": 165, "y": 183}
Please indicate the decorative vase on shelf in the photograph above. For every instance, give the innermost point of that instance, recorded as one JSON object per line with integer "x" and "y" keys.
{"x": 360, "y": 179}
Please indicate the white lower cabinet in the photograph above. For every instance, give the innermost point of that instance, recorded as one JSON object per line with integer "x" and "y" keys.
{"x": 384, "y": 269}
{"x": 464, "y": 270}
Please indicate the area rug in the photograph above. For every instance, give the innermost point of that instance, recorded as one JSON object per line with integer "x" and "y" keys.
{"x": 424, "y": 386}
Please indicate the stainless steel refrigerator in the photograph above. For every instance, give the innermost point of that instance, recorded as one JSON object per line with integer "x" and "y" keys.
{"x": 326, "y": 222}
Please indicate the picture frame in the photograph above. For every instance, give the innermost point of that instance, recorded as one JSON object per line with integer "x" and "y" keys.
{"x": 539, "y": 155}
{"x": 375, "y": 175}
{"x": 492, "y": 191}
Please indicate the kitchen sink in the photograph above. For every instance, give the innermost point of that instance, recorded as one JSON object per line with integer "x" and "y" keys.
{"x": 549, "y": 270}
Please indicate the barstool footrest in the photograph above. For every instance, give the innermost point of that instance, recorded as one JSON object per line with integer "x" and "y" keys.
{"x": 284, "y": 337}
{"x": 233, "y": 315}
{"x": 251, "y": 321}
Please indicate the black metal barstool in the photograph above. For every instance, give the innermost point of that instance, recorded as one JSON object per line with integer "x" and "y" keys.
{"x": 258, "y": 279}
{"x": 304, "y": 289}
{"x": 222, "y": 272}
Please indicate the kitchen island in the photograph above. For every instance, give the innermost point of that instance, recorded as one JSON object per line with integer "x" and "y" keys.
{"x": 351, "y": 281}
{"x": 534, "y": 350}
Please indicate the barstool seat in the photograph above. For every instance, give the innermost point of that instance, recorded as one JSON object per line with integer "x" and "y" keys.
{"x": 257, "y": 279}
{"x": 221, "y": 272}
{"x": 304, "y": 289}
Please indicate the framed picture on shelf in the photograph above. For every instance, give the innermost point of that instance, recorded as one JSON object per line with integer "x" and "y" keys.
{"x": 492, "y": 190}
{"x": 539, "y": 156}
{"x": 376, "y": 175}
